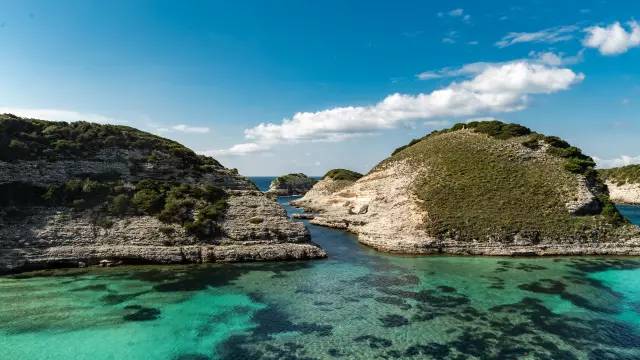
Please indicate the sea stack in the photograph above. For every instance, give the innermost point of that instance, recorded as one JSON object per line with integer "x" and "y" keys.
{"x": 483, "y": 188}
{"x": 75, "y": 194}
{"x": 623, "y": 183}
{"x": 291, "y": 184}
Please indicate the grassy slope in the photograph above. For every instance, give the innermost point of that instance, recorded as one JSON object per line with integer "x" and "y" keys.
{"x": 293, "y": 179}
{"x": 622, "y": 175}
{"x": 477, "y": 187}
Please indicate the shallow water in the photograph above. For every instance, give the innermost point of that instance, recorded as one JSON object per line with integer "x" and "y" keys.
{"x": 358, "y": 304}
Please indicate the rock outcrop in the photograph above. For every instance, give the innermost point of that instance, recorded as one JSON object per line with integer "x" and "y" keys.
{"x": 331, "y": 183}
{"x": 114, "y": 193}
{"x": 464, "y": 192}
{"x": 292, "y": 184}
{"x": 628, "y": 193}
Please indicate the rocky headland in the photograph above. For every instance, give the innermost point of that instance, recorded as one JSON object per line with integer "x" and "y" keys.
{"x": 291, "y": 184}
{"x": 483, "y": 188}
{"x": 623, "y": 183}
{"x": 80, "y": 193}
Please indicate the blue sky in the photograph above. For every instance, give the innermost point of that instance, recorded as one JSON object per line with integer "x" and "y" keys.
{"x": 208, "y": 73}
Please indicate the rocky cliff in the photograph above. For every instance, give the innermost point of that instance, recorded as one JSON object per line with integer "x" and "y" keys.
{"x": 291, "y": 184}
{"x": 480, "y": 189}
{"x": 75, "y": 194}
{"x": 331, "y": 183}
{"x": 623, "y": 183}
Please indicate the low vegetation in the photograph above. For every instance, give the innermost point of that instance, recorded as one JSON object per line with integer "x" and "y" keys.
{"x": 293, "y": 179}
{"x": 481, "y": 187}
{"x": 32, "y": 139}
{"x": 342, "y": 174}
{"x": 622, "y": 175}
{"x": 196, "y": 208}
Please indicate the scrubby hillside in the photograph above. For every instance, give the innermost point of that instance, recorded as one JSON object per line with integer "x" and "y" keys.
{"x": 623, "y": 183}
{"x": 484, "y": 188}
{"x": 81, "y": 192}
{"x": 291, "y": 184}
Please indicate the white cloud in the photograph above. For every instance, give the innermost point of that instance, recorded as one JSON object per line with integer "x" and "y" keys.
{"x": 317, "y": 163}
{"x": 440, "y": 14}
{"x": 543, "y": 58}
{"x": 448, "y": 40}
{"x": 473, "y": 43}
{"x": 623, "y": 160}
{"x": 237, "y": 150}
{"x": 60, "y": 115}
{"x": 613, "y": 39}
{"x": 184, "y": 129}
{"x": 496, "y": 89}
{"x": 456, "y": 12}
{"x": 625, "y": 101}
{"x": 550, "y": 35}
{"x": 466, "y": 18}
{"x": 436, "y": 123}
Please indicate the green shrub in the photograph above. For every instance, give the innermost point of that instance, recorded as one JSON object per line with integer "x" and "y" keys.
{"x": 256, "y": 220}
{"x": 119, "y": 205}
{"x": 556, "y": 142}
{"x": 167, "y": 230}
{"x": 147, "y": 201}
{"x": 531, "y": 143}
{"x": 342, "y": 174}
{"x": 104, "y": 222}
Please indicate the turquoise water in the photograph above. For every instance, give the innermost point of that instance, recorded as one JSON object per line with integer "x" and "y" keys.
{"x": 358, "y": 304}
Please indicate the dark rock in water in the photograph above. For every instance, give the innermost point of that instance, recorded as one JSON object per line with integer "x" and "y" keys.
{"x": 394, "y": 321}
{"x": 303, "y": 216}
{"x": 142, "y": 314}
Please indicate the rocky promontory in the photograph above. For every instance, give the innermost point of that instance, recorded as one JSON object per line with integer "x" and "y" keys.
{"x": 75, "y": 194}
{"x": 332, "y": 182}
{"x": 623, "y": 183}
{"x": 483, "y": 188}
{"x": 291, "y": 184}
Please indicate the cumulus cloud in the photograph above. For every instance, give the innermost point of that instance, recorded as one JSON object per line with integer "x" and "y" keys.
{"x": 544, "y": 58}
{"x": 550, "y": 35}
{"x": 623, "y": 160}
{"x": 436, "y": 123}
{"x": 60, "y": 115}
{"x": 184, "y": 129}
{"x": 456, "y": 12}
{"x": 613, "y": 39}
{"x": 496, "y": 89}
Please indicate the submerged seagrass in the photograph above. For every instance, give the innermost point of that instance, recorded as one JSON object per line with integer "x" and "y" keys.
{"x": 79, "y": 193}
{"x": 480, "y": 188}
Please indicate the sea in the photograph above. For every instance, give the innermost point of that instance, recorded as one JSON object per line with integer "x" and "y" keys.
{"x": 357, "y": 304}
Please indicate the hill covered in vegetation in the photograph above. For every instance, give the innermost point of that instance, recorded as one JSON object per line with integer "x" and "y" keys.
{"x": 484, "y": 188}
{"x": 291, "y": 184}
{"x": 78, "y": 193}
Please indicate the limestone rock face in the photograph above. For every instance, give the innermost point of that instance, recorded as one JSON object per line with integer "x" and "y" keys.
{"x": 291, "y": 184}
{"x": 628, "y": 193}
{"x": 41, "y": 234}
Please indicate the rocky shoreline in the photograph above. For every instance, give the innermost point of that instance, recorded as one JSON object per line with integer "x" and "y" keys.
{"x": 130, "y": 197}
